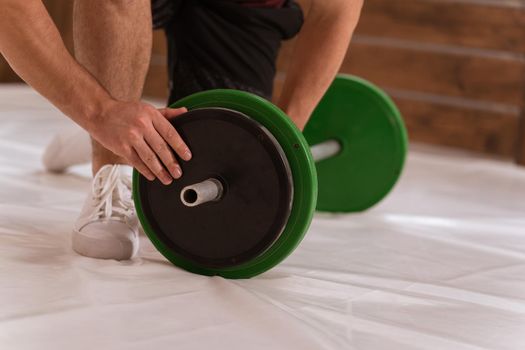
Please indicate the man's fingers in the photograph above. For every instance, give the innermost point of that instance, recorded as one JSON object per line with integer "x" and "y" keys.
{"x": 172, "y": 137}
{"x": 172, "y": 112}
{"x": 138, "y": 164}
{"x": 163, "y": 151}
{"x": 152, "y": 162}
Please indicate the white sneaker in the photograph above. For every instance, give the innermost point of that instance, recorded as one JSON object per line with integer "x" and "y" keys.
{"x": 71, "y": 146}
{"x": 107, "y": 227}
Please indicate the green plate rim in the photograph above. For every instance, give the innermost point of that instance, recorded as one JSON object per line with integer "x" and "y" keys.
{"x": 403, "y": 139}
{"x": 302, "y": 168}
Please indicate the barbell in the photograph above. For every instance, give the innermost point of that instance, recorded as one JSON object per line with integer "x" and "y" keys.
{"x": 248, "y": 195}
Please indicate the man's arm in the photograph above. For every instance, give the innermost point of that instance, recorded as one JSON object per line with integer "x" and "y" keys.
{"x": 319, "y": 51}
{"x": 32, "y": 45}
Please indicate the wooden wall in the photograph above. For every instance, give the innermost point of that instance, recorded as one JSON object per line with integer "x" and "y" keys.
{"x": 6, "y": 74}
{"x": 157, "y": 79}
{"x": 456, "y": 68}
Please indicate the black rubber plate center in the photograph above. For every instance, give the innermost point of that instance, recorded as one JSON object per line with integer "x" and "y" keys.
{"x": 255, "y": 206}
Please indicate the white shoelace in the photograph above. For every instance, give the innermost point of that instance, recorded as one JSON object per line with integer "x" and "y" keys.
{"x": 111, "y": 193}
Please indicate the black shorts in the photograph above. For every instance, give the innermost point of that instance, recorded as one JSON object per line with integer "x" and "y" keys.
{"x": 223, "y": 44}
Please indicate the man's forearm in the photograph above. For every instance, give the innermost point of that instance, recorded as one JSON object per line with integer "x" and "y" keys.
{"x": 319, "y": 51}
{"x": 31, "y": 43}
{"x": 132, "y": 130}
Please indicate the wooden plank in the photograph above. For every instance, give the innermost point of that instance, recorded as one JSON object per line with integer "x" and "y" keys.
{"x": 471, "y": 129}
{"x": 156, "y": 84}
{"x": 62, "y": 14}
{"x": 447, "y": 73}
{"x": 159, "y": 43}
{"x": 7, "y": 75}
{"x": 495, "y": 25}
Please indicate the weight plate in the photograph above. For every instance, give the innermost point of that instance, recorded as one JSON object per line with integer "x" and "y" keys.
{"x": 303, "y": 175}
{"x": 373, "y": 139}
{"x": 250, "y": 164}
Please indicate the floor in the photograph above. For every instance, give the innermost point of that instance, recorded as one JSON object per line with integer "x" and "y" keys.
{"x": 440, "y": 264}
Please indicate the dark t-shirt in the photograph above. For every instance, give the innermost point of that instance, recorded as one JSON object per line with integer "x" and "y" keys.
{"x": 225, "y": 43}
{"x": 261, "y": 3}
{"x": 164, "y": 9}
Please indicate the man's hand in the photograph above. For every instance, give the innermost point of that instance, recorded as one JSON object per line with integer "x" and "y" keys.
{"x": 138, "y": 132}
{"x": 143, "y": 136}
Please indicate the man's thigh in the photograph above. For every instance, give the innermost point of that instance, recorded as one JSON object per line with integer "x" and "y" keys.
{"x": 223, "y": 44}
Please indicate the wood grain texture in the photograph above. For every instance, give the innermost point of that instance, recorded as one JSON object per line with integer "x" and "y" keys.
{"x": 156, "y": 84}
{"x": 470, "y": 76}
{"x": 62, "y": 14}
{"x": 473, "y": 24}
{"x": 159, "y": 43}
{"x": 472, "y": 129}
{"x": 7, "y": 75}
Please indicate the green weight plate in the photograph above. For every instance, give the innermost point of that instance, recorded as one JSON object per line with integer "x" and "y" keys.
{"x": 302, "y": 169}
{"x": 373, "y": 139}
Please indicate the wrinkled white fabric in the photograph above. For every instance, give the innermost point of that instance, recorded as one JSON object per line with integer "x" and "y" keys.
{"x": 440, "y": 264}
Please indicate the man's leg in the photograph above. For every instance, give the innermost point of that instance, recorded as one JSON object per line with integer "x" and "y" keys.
{"x": 113, "y": 41}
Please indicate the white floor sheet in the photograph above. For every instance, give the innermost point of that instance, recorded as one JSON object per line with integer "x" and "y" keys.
{"x": 440, "y": 264}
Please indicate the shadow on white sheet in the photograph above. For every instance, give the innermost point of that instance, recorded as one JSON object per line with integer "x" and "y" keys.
{"x": 440, "y": 264}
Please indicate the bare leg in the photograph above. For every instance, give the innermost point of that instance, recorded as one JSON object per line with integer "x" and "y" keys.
{"x": 113, "y": 42}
